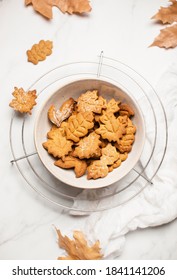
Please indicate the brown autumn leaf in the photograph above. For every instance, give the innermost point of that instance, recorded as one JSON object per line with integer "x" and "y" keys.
{"x": 167, "y": 38}
{"x": 78, "y": 248}
{"x": 44, "y": 7}
{"x": 167, "y": 14}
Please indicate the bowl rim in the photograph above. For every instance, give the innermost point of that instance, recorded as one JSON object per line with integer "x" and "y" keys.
{"x": 107, "y": 183}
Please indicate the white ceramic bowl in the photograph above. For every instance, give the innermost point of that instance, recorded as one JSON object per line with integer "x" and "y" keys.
{"x": 74, "y": 90}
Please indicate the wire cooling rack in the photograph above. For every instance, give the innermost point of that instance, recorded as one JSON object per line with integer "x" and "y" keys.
{"x": 36, "y": 175}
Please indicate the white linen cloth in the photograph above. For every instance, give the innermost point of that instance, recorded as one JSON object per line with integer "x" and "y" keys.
{"x": 156, "y": 204}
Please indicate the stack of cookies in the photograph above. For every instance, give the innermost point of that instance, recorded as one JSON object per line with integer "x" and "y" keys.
{"x": 90, "y": 134}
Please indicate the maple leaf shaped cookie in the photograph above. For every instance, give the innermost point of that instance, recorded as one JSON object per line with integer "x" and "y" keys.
{"x": 112, "y": 106}
{"x": 39, "y": 51}
{"x": 88, "y": 147}
{"x": 57, "y": 144}
{"x": 78, "y": 248}
{"x": 80, "y": 166}
{"x": 112, "y": 128}
{"x": 109, "y": 154}
{"x": 23, "y": 101}
{"x": 58, "y": 116}
{"x": 78, "y": 125}
{"x": 90, "y": 102}
{"x": 97, "y": 169}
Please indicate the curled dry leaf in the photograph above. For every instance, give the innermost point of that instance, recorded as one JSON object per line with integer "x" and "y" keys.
{"x": 44, "y": 7}
{"x": 167, "y": 38}
{"x": 78, "y": 248}
{"x": 58, "y": 116}
{"x": 167, "y": 14}
{"x": 23, "y": 101}
{"x": 73, "y": 6}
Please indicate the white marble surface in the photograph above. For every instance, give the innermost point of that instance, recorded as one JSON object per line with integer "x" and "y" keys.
{"x": 124, "y": 31}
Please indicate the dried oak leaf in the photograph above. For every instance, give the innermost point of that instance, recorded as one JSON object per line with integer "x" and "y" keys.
{"x": 78, "y": 125}
{"x": 91, "y": 102}
{"x": 109, "y": 154}
{"x": 88, "y": 147}
{"x": 57, "y": 144}
{"x": 23, "y": 101}
{"x": 73, "y": 6}
{"x": 97, "y": 169}
{"x": 65, "y": 111}
{"x": 44, "y": 7}
{"x": 168, "y": 14}
{"x": 167, "y": 38}
{"x": 112, "y": 128}
{"x": 80, "y": 166}
{"x": 39, "y": 51}
{"x": 78, "y": 248}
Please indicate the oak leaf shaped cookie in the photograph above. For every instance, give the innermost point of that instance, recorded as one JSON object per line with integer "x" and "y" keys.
{"x": 39, "y": 51}
{"x": 78, "y": 125}
{"x": 58, "y": 116}
{"x": 167, "y": 38}
{"x": 88, "y": 147}
{"x": 109, "y": 154}
{"x": 23, "y": 101}
{"x": 97, "y": 169}
{"x": 167, "y": 14}
{"x": 91, "y": 102}
{"x": 78, "y": 248}
{"x": 44, "y": 7}
{"x": 57, "y": 144}
{"x": 80, "y": 166}
{"x": 111, "y": 128}
{"x": 125, "y": 143}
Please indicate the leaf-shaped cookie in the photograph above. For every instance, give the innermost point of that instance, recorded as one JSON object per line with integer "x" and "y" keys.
{"x": 44, "y": 7}
{"x": 65, "y": 111}
{"x": 167, "y": 38}
{"x": 167, "y": 14}
{"x": 91, "y": 102}
{"x": 112, "y": 106}
{"x": 23, "y": 101}
{"x": 80, "y": 166}
{"x": 78, "y": 125}
{"x": 88, "y": 147}
{"x": 97, "y": 169}
{"x": 78, "y": 248}
{"x": 112, "y": 128}
{"x": 126, "y": 110}
{"x": 125, "y": 143}
{"x": 39, "y": 51}
{"x": 57, "y": 144}
{"x": 109, "y": 154}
